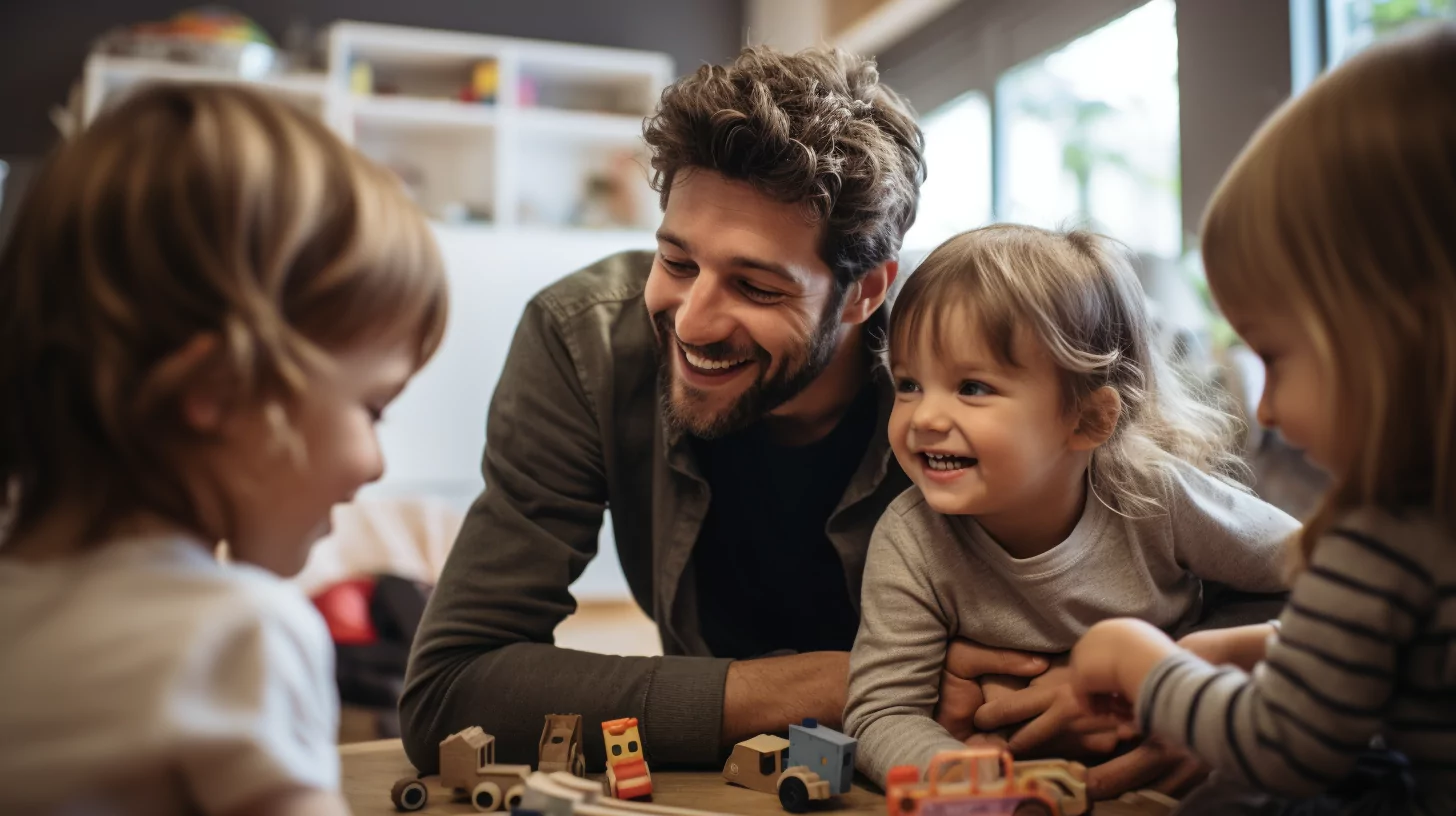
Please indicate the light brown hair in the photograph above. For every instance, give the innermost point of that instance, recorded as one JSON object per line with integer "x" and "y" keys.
{"x": 815, "y": 128}
{"x": 1080, "y": 299}
{"x": 188, "y": 211}
{"x": 1341, "y": 214}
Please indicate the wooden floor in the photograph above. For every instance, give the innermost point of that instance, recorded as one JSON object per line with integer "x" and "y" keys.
{"x": 609, "y": 627}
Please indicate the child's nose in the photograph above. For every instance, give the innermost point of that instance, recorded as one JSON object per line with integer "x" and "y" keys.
{"x": 930, "y": 416}
{"x": 1265, "y": 415}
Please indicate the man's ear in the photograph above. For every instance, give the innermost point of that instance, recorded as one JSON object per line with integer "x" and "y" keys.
{"x": 1096, "y": 419}
{"x": 866, "y": 296}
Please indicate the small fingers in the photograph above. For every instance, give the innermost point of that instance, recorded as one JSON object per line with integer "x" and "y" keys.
{"x": 959, "y": 700}
{"x": 1135, "y": 769}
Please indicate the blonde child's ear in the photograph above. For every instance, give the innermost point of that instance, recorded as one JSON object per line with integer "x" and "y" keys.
{"x": 193, "y": 376}
{"x": 1097, "y": 419}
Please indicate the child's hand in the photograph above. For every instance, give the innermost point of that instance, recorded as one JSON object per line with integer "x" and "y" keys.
{"x": 1114, "y": 657}
{"x": 1241, "y": 646}
{"x": 1051, "y": 722}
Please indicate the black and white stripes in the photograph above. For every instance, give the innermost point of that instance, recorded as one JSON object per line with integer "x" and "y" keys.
{"x": 1366, "y": 647}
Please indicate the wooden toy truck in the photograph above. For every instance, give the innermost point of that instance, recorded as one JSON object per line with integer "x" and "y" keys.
{"x": 986, "y": 782}
{"x": 560, "y": 748}
{"x": 814, "y": 763}
{"x": 467, "y": 767}
{"x": 627, "y": 773}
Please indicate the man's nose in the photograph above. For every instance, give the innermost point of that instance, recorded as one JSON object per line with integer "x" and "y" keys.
{"x": 703, "y": 319}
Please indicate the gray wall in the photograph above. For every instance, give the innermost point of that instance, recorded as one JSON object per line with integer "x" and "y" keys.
{"x": 43, "y": 42}
{"x": 1234, "y": 69}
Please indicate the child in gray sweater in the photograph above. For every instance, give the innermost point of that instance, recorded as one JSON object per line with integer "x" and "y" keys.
{"x": 1062, "y": 476}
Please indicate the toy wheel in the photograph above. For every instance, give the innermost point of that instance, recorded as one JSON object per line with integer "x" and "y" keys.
{"x": 1031, "y": 807}
{"x": 578, "y": 766}
{"x": 794, "y": 795}
{"x": 409, "y": 794}
{"x": 514, "y": 796}
{"x": 486, "y": 796}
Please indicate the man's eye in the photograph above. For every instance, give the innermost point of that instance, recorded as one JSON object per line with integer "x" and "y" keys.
{"x": 678, "y": 267}
{"x": 761, "y": 295}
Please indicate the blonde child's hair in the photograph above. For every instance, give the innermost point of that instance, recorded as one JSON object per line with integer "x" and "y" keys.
{"x": 1081, "y": 300}
{"x": 1341, "y": 213}
{"x": 189, "y": 211}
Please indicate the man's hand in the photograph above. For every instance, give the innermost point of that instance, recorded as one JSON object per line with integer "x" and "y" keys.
{"x": 961, "y": 694}
{"x": 767, "y": 695}
{"x": 1150, "y": 765}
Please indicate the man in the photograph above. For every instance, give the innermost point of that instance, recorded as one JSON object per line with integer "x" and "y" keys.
{"x": 722, "y": 397}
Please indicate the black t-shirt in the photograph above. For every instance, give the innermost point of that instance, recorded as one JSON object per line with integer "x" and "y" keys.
{"x": 768, "y": 577}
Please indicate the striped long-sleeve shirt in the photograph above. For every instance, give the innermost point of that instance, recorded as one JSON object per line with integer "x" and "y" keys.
{"x": 1366, "y": 647}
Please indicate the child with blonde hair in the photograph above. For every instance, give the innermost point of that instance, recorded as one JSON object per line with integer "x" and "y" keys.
{"x": 206, "y": 303}
{"x": 1331, "y": 248}
{"x": 1062, "y": 475}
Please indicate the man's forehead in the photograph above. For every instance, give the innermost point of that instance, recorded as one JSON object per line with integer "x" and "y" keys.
{"x": 712, "y": 214}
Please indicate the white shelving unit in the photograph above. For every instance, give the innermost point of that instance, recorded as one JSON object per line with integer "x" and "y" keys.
{"x": 559, "y": 145}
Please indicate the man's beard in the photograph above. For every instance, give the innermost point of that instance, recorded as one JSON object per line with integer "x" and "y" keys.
{"x": 799, "y": 367}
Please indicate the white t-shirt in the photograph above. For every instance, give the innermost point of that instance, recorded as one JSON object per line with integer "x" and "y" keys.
{"x": 147, "y": 678}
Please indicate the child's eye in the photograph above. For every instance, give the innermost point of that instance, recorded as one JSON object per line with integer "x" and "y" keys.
{"x": 975, "y": 388}
{"x": 905, "y": 385}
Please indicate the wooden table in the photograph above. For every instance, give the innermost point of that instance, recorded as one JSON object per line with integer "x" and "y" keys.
{"x": 370, "y": 768}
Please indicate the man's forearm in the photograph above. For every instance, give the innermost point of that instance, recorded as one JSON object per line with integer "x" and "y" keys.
{"x": 767, "y": 695}
{"x": 510, "y": 690}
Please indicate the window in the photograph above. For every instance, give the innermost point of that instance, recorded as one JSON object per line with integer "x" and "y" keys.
{"x": 1354, "y": 24}
{"x": 956, "y": 195}
{"x": 766, "y": 763}
{"x": 1089, "y": 134}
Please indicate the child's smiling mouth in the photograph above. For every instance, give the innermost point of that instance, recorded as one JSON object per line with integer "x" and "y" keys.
{"x": 947, "y": 463}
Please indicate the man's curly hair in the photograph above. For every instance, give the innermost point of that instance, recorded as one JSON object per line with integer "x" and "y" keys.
{"x": 815, "y": 128}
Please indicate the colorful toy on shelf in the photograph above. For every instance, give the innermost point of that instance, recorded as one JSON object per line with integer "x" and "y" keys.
{"x": 209, "y": 37}
{"x": 361, "y": 78}
{"x": 986, "y": 781}
{"x": 560, "y": 748}
{"x": 484, "y": 82}
{"x": 627, "y": 773}
{"x": 467, "y": 767}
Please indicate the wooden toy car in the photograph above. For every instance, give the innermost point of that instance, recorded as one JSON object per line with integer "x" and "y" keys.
{"x": 627, "y": 773}
{"x": 467, "y": 767}
{"x": 560, "y": 748}
{"x": 814, "y": 763}
{"x": 986, "y": 782}
{"x": 757, "y": 763}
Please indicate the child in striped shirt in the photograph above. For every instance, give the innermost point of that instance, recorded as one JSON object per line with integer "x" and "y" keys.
{"x": 1331, "y": 248}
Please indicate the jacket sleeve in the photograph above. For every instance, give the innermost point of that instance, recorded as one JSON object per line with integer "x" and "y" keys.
{"x": 484, "y": 652}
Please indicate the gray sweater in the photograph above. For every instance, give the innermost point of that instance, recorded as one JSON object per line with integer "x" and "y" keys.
{"x": 931, "y": 577}
{"x": 1366, "y": 647}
